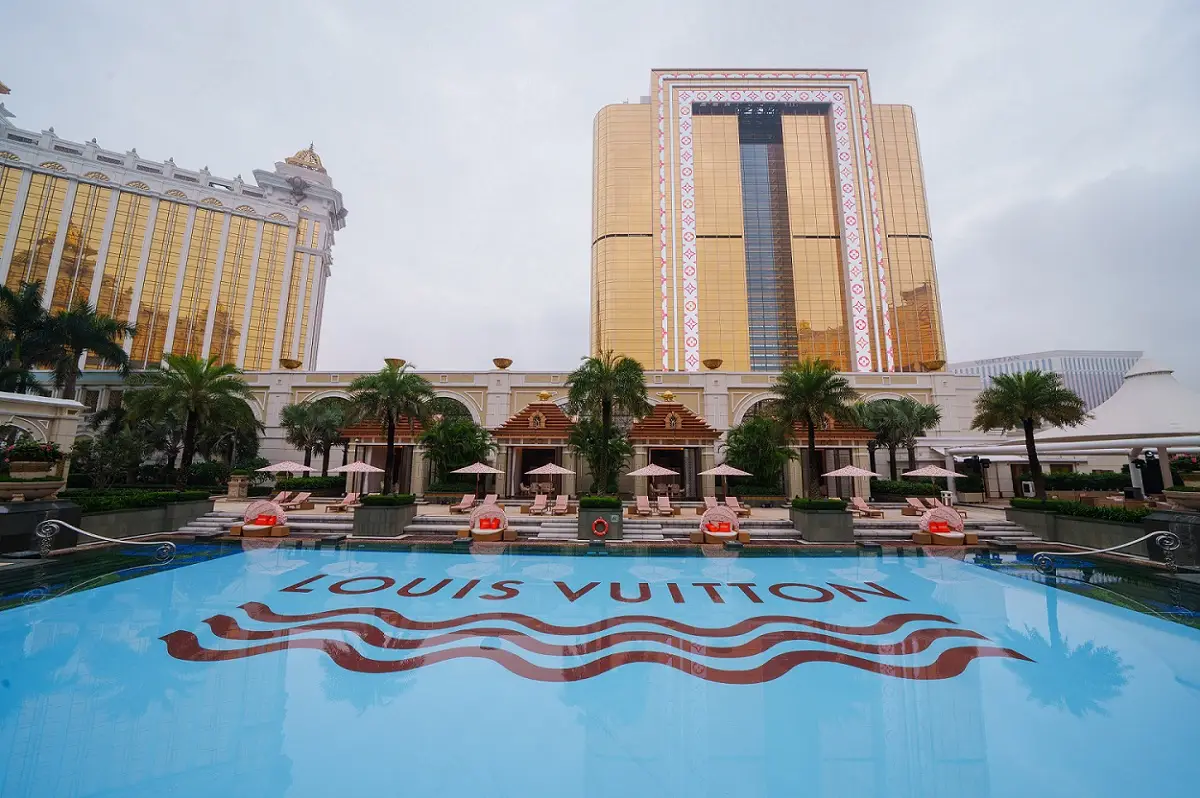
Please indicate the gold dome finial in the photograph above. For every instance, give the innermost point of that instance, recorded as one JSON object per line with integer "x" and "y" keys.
{"x": 307, "y": 159}
{"x": 667, "y": 396}
{"x": 544, "y": 396}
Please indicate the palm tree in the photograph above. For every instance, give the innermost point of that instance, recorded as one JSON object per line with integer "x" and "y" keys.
{"x": 865, "y": 415}
{"x": 918, "y": 419}
{"x": 392, "y": 393}
{"x": 232, "y": 433}
{"x": 329, "y": 417}
{"x": 602, "y": 387}
{"x": 605, "y": 451}
{"x": 759, "y": 445}
{"x": 299, "y": 422}
{"x": 70, "y": 332}
{"x": 23, "y": 339}
{"x": 198, "y": 391}
{"x": 452, "y": 443}
{"x": 1028, "y": 400}
{"x": 809, "y": 393}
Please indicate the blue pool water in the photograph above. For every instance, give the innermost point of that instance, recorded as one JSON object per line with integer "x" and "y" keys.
{"x": 829, "y": 676}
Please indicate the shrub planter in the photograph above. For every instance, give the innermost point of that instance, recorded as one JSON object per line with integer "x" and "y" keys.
{"x": 824, "y": 526}
{"x": 30, "y": 469}
{"x": 1035, "y": 522}
{"x": 143, "y": 520}
{"x": 1093, "y": 533}
{"x": 383, "y": 522}
{"x": 970, "y": 498}
{"x": 1184, "y": 498}
{"x": 31, "y": 490}
{"x": 239, "y": 487}
{"x": 588, "y": 518}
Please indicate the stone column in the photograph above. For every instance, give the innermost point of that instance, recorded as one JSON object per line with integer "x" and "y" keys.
{"x": 860, "y": 457}
{"x": 1135, "y": 475}
{"x": 568, "y": 480}
{"x": 502, "y": 462}
{"x": 708, "y": 459}
{"x": 640, "y": 460}
{"x": 417, "y": 486}
{"x": 795, "y": 476}
{"x": 1164, "y": 467}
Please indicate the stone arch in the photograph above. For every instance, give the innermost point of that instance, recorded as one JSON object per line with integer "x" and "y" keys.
{"x": 17, "y": 424}
{"x": 747, "y": 404}
{"x": 473, "y": 410}
{"x": 331, "y": 393}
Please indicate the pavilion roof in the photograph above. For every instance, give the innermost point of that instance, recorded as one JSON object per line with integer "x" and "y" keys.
{"x": 543, "y": 422}
{"x": 372, "y": 432}
{"x": 672, "y": 422}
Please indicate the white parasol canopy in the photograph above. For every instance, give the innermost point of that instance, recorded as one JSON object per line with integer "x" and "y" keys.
{"x": 852, "y": 471}
{"x": 725, "y": 470}
{"x": 286, "y": 465}
{"x": 357, "y": 467}
{"x": 477, "y": 468}
{"x": 933, "y": 471}
{"x": 653, "y": 470}
{"x": 550, "y": 469}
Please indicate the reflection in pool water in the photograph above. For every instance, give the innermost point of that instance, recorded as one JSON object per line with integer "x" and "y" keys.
{"x": 93, "y": 702}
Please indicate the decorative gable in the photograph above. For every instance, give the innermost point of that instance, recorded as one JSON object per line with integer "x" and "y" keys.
{"x": 539, "y": 422}
{"x": 672, "y": 422}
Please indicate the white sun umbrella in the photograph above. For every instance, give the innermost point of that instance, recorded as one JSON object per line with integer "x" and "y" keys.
{"x": 478, "y": 469}
{"x": 286, "y": 466}
{"x": 851, "y": 471}
{"x": 357, "y": 467}
{"x": 725, "y": 471}
{"x": 653, "y": 470}
{"x": 933, "y": 471}
{"x": 549, "y": 469}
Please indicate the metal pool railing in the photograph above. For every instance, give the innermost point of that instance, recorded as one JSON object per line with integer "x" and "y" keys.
{"x": 1168, "y": 542}
{"x": 46, "y": 530}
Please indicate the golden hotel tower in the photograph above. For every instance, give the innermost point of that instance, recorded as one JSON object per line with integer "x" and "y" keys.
{"x": 761, "y": 217}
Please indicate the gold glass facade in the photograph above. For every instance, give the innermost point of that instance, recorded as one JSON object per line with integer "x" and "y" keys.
{"x": 85, "y": 233}
{"x": 38, "y": 229}
{"x": 231, "y": 296}
{"x": 192, "y": 313}
{"x": 162, "y": 267}
{"x": 291, "y": 313}
{"x": 791, "y": 216}
{"x": 10, "y": 182}
{"x": 264, "y": 312}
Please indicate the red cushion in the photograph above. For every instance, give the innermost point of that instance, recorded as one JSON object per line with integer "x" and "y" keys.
{"x": 724, "y": 527}
{"x": 939, "y": 526}
{"x": 265, "y": 520}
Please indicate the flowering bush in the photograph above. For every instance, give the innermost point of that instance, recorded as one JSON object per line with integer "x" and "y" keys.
{"x": 1185, "y": 463}
{"x": 28, "y": 451}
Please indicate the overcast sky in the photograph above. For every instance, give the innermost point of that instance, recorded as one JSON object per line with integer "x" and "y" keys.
{"x": 1059, "y": 140}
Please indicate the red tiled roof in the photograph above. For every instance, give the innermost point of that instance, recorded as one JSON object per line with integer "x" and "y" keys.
{"x": 543, "y": 421}
{"x": 672, "y": 421}
{"x": 371, "y": 432}
{"x": 833, "y": 433}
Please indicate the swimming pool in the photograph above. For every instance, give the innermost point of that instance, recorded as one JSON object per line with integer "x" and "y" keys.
{"x": 285, "y": 672}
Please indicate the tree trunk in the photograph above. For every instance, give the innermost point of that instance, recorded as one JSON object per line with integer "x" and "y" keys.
{"x": 345, "y": 452}
{"x": 871, "y": 454}
{"x": 912, "y": 457}
{"x": 1035, "y": 468}
{"x": 606, "y": 472}
{"x": 814, "y": 478}
{"x": 391, "y": 454}
{"x": 308, "y": 455}
{"x": 68, "y": 390}
{"x": 189, "y": 449}
{"x": 232, "y": 451}
{"x": 892, "y": 461}
{"x": 325, "y": 461}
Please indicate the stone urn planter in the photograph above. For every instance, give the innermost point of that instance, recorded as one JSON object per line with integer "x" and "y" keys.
{"x": 30, "y": 469}
{"x": 30, "y": 489}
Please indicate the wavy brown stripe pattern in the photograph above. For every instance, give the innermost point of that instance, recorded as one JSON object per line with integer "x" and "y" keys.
{"x": 261, "y": 612}
{"x": 227, "y": 628}
{"x": 951, "y": 662}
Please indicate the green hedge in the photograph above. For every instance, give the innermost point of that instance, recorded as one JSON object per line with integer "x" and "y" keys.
{"x": 818, "y": 504}
{"x": 1080, "y": 510}
{"x": 750, "y": 490}
{"x": 459, "y": 487}
{"x": 325, "y": 486}
{"x": 388, "y": 500}
{"x": 1097, "y": 480}
{"x": 599, "y": 502}
{"x": 96, "y": 501}
{"x": 1185, "y": 489}
{"x": 903, "y": 487}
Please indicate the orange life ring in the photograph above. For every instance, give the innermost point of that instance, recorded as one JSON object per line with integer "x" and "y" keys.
{"x": 600, "y": 527}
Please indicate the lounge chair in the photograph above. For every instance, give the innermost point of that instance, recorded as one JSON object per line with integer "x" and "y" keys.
{"x": 464, "y": 506}
{"x": 913, "y": 507}
{"x": 539, "y": 505}
{"x": 664, "y": 506}
{"x": 490, "y": 498}
{"x": 300, "y": 502}
{"x": 562, "y": 505}
{"x": 710, "y": 502}
{"x": 857, "y": 505}
{"x": 281, "y": 497}
{"x": 348, "y": 501}
{"x": 733, "y": 504}
{"x": 938, "y": 503}
{"x": 642, "y": 505}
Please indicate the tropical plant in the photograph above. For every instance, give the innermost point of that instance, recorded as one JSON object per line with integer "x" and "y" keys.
{"x": 917, "y": 418}
{"x": 606, "y": 451}
{"x": 759, "y": 445}
{"x": 390, "y": 394}
{"x": 70, "y": 332}
{"x": 331, "y": 415}
{"x": 865, "y": 415}
{"x": 605, "y": 387}
{"x": 107, "y": 459}
{"x": 298, "y": 422}
{"x": 195, "y": 390}
{"x": 452, "y": 443}
{"x": 809, "y": 393}
{"x": 23, "y": 337}
{"x": 1026, "y": 401}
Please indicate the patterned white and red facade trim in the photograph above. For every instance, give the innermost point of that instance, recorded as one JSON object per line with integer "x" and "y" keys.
{"x": 863, "y": 257}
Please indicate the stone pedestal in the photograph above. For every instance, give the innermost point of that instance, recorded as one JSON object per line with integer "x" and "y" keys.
{"x": 239, "y": 486}
{"x": 1185, "y": 525}
{"x": 824, "y": 526}
{"x": 383, "y": 522}
{"x": 18, "y": 520}
{"x": 588, "y": 517}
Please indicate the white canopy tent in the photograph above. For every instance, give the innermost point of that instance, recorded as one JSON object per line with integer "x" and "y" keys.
{"x": 1151, "y": 410}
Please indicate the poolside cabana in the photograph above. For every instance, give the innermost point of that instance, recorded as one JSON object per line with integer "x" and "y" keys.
{"x": 676, "y": 438}
{"x": 368, "y": 442}
{"x": 535, "y": 437}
